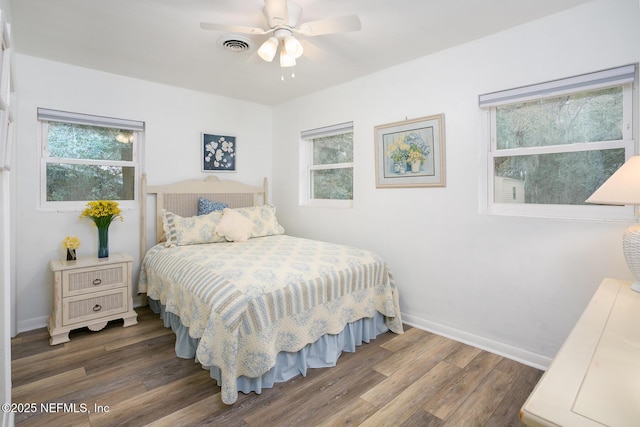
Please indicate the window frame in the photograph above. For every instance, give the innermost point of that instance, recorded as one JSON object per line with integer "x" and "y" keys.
{"x": 307, "y": 166}
{"x": 46, "y": 116}
{"x": 588, "y": 212}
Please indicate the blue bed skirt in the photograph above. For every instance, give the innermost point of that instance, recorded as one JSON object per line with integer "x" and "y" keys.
{"x": 321, "y": 354}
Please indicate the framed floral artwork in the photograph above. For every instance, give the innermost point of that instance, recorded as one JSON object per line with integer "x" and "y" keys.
{"x": 411, "y": 153}
{"x": 218, "y": 153}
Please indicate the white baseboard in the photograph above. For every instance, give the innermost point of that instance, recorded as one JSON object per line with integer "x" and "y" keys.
{"x": 522, "y": 356}
{"x": 31, "y": 324}
{"x": 41, "y": 322}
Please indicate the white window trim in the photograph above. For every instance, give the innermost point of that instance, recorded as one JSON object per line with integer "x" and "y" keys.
{"x": 46, "y": 115}
{"x": 306, "y": 163}
{"x": 583, "y": 212}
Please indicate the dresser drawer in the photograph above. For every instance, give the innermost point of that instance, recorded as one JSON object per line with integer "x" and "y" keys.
{"x": 91, "y": 279}
{"x": 82, "y": 308}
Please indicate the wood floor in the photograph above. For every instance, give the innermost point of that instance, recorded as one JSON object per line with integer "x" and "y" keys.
{"x": 131, "y": 376}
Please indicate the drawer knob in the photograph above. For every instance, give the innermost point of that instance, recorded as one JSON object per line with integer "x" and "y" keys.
{"x": 96, "y": 282}
{"x": 97, "y": 307}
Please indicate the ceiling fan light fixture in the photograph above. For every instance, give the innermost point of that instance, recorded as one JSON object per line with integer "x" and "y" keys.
{"x": 293, "y": 47}
{"x": 286, "y": 60}
{"x": 268, "y": 49}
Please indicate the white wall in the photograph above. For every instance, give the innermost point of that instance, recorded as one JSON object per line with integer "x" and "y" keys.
{"x": 174, "y": 119}
{"x": 513, "y": 285}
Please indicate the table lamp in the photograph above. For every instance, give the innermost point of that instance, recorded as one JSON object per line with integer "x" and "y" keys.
{"x": 623, "y": 188}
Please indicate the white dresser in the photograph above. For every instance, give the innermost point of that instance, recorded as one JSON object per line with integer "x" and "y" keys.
{"x": 594, "y": 380}
{"x": 90, "y": 292}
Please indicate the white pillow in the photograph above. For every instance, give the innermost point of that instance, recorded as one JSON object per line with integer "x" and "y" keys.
{"x": 234, "y": 226}
{"x": 191, "y": 230}
{"x": 263, "y": 220}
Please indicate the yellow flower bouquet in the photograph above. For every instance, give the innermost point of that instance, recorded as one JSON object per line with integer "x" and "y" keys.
{"x": 103, "y": 213}
{"x": 71, "y": 243}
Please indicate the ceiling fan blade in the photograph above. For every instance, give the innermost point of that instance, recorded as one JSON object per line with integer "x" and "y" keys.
{"x": 342, "y": 24}
{"x": 233, "y": 28}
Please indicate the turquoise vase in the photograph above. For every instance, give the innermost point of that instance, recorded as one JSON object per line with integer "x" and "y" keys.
{"x": 103, "y": 241}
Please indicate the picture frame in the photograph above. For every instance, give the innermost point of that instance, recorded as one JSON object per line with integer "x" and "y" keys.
{"x": 218, "y": 152}
{"x": 411, "y": 153}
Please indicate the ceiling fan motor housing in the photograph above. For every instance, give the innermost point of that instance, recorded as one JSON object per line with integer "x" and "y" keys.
{"x": 282, "y": 13}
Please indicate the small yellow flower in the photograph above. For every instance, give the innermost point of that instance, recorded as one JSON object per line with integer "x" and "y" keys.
{"x": 71, "y": 242}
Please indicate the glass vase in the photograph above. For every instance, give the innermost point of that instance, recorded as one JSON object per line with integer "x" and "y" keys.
{"x": 103, "y": 241}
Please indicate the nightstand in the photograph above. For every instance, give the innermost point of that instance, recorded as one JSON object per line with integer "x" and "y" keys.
{"x": 90, "y": 292}
{"x": 594, "y": 378}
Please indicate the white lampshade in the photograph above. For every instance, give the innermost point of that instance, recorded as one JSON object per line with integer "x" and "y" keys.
{"x": 268, "y": 49}
{"x": 293, "y": 47}
{"x": 286, "y": 60}
{"x": 622, "y": 188}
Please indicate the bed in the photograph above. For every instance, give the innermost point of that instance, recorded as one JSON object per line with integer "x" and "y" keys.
{"x": 248, "y": 302}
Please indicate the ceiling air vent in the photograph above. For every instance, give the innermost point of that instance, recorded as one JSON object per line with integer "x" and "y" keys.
{"x": 235, "y": 44}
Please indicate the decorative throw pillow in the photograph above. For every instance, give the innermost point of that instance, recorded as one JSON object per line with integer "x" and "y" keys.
{"x": 206, "y": 206}
{"x": 263, "y": 218}
{"x": 234, "y": 226}
{"x": 193, "y": 230}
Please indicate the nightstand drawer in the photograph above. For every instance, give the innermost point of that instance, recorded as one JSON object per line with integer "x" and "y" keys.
{"x": 91, "y": 279}
{"x": 80, "y": 309}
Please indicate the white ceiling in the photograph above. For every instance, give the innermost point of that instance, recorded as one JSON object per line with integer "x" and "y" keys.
{"x": 161, "y": 40}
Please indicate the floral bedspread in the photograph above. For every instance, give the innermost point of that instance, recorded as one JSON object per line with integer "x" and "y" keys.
{"x": 248, "y": 301}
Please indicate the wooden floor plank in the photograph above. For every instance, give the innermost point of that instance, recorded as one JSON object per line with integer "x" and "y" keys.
{"x": 398, "y": 360}
{"x": 422, "y": 418}
{"x": 463, "y": 355}
{"x": 348, "y": 380}
{"x": 413, "y": 397}
{"x": 352, "y": 415}
{"x": 414, "y": 379}
{"x": 32, "y": 368}
{"x": 452, "y": 395}
{"x": 156, "y": 403}
{"x": 399, "y": 380}
{"x": 478, "y": 407}
{"x": 47, "y": 388}
{"x": 114, "y": 345}
{"x": 507, "y": 413}
{"x": 189, "y": 415}
{"x": 409, "y": 338}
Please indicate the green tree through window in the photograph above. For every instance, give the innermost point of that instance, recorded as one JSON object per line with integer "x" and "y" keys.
{"x": 327, "y": 166}
{"x": 551, "y": 145}
{"x": 83, "y": 162}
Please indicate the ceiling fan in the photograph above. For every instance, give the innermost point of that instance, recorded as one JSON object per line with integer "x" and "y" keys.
{"x": 282, "y": 18}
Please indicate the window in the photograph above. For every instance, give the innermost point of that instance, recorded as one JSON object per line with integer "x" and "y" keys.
{"x": 552, "y": 145}
{"x": 326, "y": 159}
{"x": 88, "y": 158}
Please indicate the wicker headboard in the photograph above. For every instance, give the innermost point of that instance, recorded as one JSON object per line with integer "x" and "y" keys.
{"x": 181, "y": 198}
